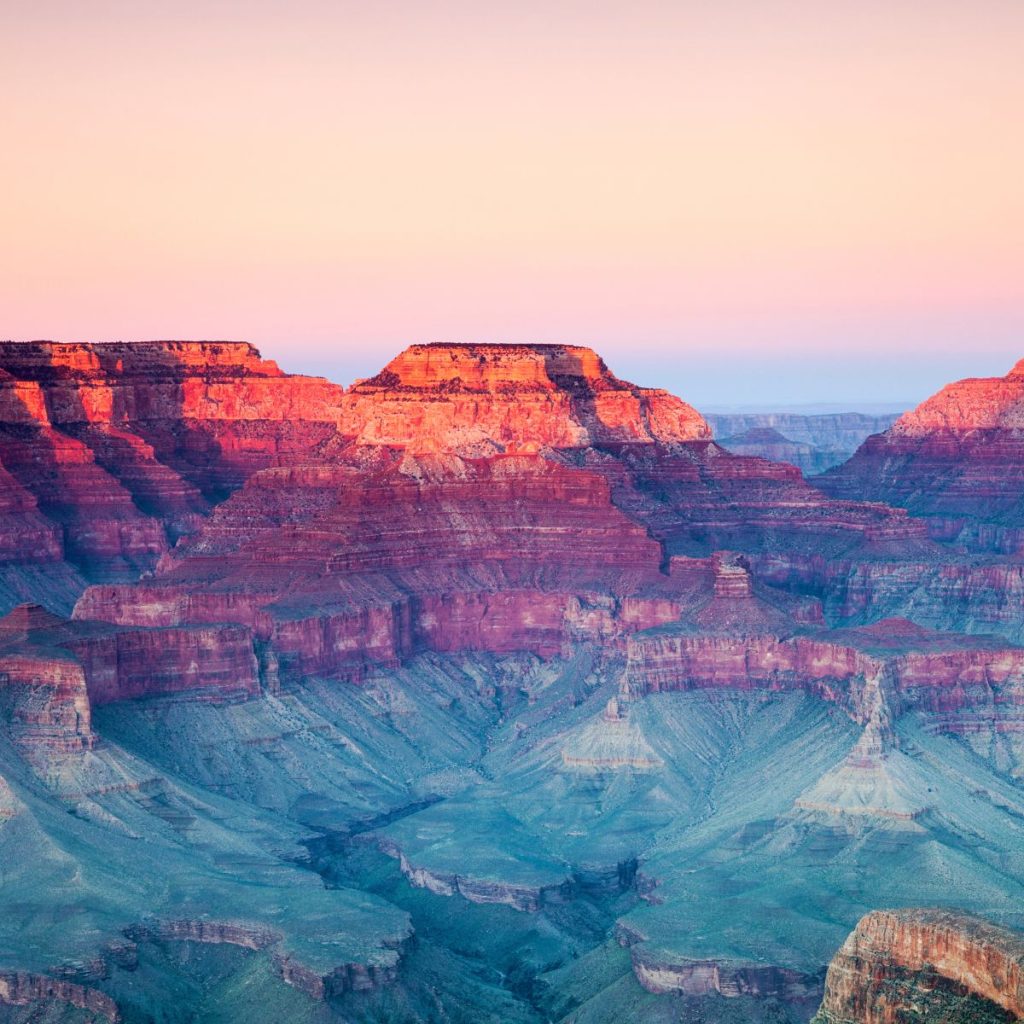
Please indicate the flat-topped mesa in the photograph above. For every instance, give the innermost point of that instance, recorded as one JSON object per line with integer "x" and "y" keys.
{"x": 479, "y": 398}
{"x": 925, "y": 965}
{"x": 123, "y": 383}
{"x": 958, "y": 459}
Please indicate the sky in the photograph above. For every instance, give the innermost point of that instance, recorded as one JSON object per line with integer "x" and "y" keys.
{"x": 750, "y": 202}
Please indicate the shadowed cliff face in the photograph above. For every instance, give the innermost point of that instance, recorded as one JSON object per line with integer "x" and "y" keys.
{"x": 577, "y": 715}
{"x": 925, "y": 965}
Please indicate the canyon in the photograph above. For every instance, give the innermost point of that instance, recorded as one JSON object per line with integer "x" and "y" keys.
{"x": 494, "y": 688}
{"x": 814, "y": 442}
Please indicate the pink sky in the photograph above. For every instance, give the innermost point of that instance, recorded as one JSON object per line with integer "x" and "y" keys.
{"x": 801, "y": 199}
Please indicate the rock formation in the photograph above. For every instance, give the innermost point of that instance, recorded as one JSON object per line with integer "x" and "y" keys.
{"x": 23, "y": 988}
{"x": 957, "y": 460}
{"x": 578, "y": 630}
{"x": 482, "y": 399}
{"x": 926, "y": 965}
{"x": 121, "y": 446}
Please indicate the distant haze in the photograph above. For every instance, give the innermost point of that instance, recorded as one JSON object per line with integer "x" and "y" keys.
{"x": 757, "y": 202}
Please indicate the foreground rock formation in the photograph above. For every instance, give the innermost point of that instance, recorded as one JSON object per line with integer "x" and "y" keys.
{"x": 925, "y": 965}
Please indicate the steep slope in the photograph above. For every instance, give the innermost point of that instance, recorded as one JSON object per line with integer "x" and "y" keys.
{"x": 928, "y": 966}
{"x": 122, "y": 446}
{"x": 957, "y": 459}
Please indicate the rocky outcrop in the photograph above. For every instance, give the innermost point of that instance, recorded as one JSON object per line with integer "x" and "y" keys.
{"x": 933, "y": 671}
{"x": 611, "y": 743}
{"x": 314, "y": 981}
{"x": 55, "y": 670}
{"x": 23, "y": 988}
{"x": 43, "y": 690}
{"x": 122, "y": 446}
{"x": 336, "y": 982}
{"x": 232, "y": 933}
{"x": 528, "y": 899}
{"x": 957, "y": 459}
{"x": 724, "y": 978}
{"x": 923, "y": 965}
{"x": 482, "y": 399}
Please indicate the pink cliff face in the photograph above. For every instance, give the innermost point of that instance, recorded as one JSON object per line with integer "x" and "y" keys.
{"x": 957, "y": 459}
{"x": 121, "y": 446}
{"x": 985, "y": 403}
{"x": 481, "y": 398}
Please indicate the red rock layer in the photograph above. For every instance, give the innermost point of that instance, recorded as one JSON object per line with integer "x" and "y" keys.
{"x": 52, "y": 672}
{"x": 476, "y": 399}
{"x": 895, "y": 958}
{"x": 26, "y": 536}
{"x": 697, "y": 498}
{"x": 940, "y": 673}
{"x": 122, "y": 444}
{"x": 958, "y": 457}
{"x": 336, "y": 568}
{"x": 46, "y": 703}
{"x": 960, "y": 593}
{"x": 654, "y": 450}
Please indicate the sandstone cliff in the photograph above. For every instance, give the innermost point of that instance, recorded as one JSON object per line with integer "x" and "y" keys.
{"x": 122, "y": 446}
{"x": 957, "y": 459}
{"x": 925, "y": 965}
{"x": 480, "y": 399}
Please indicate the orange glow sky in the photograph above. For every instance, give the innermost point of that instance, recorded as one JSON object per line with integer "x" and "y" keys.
{"x": 752, "y": 201}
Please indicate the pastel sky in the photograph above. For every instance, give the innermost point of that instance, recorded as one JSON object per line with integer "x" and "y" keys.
{"x": 752, "y": 202}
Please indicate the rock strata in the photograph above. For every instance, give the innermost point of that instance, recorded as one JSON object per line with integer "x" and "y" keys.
{"x": 916, "y": 964}
{"x": 480, "y": 399}
{"x": 23, "y": 988}
{"x": 957, "y": 459}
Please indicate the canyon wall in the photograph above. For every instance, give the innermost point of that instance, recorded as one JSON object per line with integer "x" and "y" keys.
{"x": 923, "y": 965}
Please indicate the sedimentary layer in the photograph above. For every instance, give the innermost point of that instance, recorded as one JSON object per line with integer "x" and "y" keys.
{"x": 922, "y": 965}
